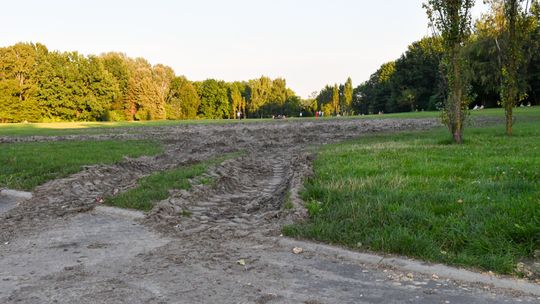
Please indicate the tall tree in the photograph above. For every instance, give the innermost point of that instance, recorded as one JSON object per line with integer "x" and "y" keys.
{"x": 259, "y": 94}
{"x": 118, "y": 65}
{"x": 214, "y": 99}
{"x": 335, "y": 99}
{"x": 144, "y": 98}
{"x": 347, "y": 96}
{"x": 375, "y": 95}
{"x": 18, "y": 81}
{"x": 183, "y": 101}
{"x": 512, "y": 58}
{"x": 416, "y": 82}
{"x": 238, "y": 102}
{"x": 162, "y": 76}
{"x": 452, "y": 19}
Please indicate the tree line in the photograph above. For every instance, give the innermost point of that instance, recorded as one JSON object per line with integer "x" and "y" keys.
{"x": 418, "y": 79}
{"x": 38, "y": 85}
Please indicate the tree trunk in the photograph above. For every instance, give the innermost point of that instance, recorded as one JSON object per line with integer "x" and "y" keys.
{"x": 456, "y": 116}
{"x": 509, "y": 120}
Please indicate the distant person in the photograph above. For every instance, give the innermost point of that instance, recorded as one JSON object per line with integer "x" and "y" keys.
{"x": 300, "y": 114}
{"x": 239, "y": 115}
{"x": 316, "y": 115}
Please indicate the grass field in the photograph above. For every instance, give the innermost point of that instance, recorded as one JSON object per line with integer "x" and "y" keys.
{"x": 69, "y": 128}
{"x": 23, "y": 166}
{"x": 154, "y": 188}
{"x": 415, "y": 194}
{"x": 73, "y": 128}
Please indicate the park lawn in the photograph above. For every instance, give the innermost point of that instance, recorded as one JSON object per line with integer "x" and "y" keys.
{"x": 24, "y": 166}
{"x": 74, "y": 128}
{"x": 416, "y": 194}
{"x": 155, "y": 187}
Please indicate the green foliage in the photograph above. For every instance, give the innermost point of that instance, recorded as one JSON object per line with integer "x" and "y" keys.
{"x": 183, "y": 101}
{"x": 18, "y": 83}
{"x": 214, "y": 96}
{"x": 417, "y": 82}
{"x": 147, "y": 90}
{"x": 238, "y": 101}
{"x": 27, "y": 165}
{"x": 259, "y": 94}
{"x": 512, "y": 58}
{"x": 416, "y": 195}
{"x": 41, "y": 86}
{"x": 114, "y": 115}
{"x": 375, "y": 95}
{"x": 335, "y": 100}
{"x": 347, "y": 97}
{"x": 452, "y": 19}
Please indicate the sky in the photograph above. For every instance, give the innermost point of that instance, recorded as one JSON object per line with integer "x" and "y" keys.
{"x": 310, "y": 43}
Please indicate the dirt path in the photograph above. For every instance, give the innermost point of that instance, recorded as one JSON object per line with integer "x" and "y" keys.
{"x": 217, "y": 243}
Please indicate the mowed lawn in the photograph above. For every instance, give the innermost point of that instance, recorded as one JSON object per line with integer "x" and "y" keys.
{"x": 24, "y": 166}
{"x": 416, "y": 194}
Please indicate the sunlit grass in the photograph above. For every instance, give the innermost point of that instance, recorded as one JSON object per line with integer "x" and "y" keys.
{"x": 415, "y": 194}
{"x": 65, "y": 128}
{"x": 23, "y": 166}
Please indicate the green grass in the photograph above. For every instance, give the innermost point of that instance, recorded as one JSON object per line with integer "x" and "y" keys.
{"x": 24, "y": 166}
{"x": 415, "y": 194}
{"x": 155, "y": 187}
{"x": 288, "y": 204}
{"x": 74, "y": 128}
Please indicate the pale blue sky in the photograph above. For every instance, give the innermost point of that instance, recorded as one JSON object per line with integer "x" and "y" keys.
{"x": 309, "y": 42}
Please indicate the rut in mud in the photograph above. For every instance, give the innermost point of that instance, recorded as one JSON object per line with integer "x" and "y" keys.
{"x": 271, "y": 152}
{"x": 216, "y": 243}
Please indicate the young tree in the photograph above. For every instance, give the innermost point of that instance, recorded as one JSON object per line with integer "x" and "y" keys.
{"x": 512, "y": 58}
{"x": 452, "y": 19}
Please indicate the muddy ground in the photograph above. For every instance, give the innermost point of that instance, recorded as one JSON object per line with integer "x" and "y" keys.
{"x": 63, "y": 246}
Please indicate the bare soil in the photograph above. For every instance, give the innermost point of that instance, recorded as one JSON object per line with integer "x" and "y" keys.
{"x": 216, "y": 243}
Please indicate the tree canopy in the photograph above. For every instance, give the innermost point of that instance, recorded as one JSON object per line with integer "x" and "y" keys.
{"x": 39, "y": 85}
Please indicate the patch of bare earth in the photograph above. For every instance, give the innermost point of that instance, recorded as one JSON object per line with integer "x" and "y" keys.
{"x": 216, "y": 243}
